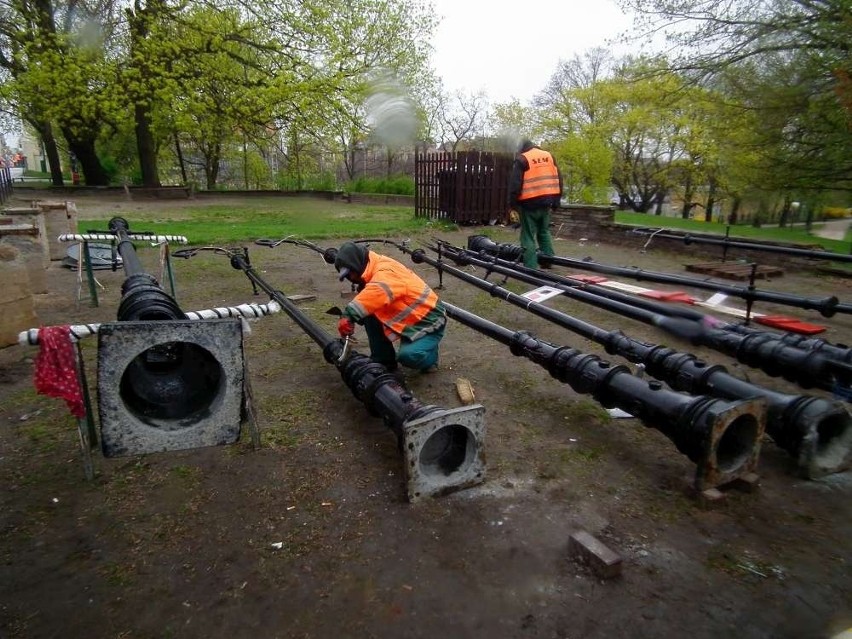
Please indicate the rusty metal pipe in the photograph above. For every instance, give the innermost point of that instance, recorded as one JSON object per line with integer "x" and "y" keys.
{"x": 722, "y": 438}
{"x": 826, "y": 306}
{"x": 442, "y": 448}
{"x": 766, "y": 351}
{"x": 817, "y": 432}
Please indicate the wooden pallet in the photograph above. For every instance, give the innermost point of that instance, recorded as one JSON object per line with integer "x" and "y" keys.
{"x": 735, "y": 270}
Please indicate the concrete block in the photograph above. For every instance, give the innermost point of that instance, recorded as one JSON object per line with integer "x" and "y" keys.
{"x": 17, "y": 312}
{"x": 58, "y": 221}
{"x": 169, "y": 385}
{"x": 30, "y": 223}
{"x": 710, "y": 498}
{"x": 32, "y": 257}
{"x": 590, "y": 551}
{"x": 444, "y": 451}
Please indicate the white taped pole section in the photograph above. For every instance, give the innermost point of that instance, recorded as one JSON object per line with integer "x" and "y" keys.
{"x": 109, "y": 237}
{"x": 246, "y": 311}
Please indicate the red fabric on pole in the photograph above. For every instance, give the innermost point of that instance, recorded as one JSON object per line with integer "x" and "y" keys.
{"x": 55, "y": 368}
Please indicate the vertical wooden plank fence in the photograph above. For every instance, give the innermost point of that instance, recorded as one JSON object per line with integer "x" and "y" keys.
{"x": 466, "y": 187}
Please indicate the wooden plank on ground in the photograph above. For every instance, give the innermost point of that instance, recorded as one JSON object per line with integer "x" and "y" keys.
{"x": 735, "y": 270}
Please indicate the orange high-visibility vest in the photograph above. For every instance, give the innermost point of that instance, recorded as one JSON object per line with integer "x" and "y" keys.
{"x": 396, "y": 297}
{"x": 541, "y": 178}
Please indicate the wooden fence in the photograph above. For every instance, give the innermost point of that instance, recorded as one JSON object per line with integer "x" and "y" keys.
{"x": 468, "y": 187}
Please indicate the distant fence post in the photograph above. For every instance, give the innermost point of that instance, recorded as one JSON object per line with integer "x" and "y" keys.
{"x": 5, "y": 183}
{"x": 466, "y": 187}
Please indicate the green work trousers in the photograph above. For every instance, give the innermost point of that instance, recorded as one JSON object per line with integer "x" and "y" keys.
{"x": 535, "y": 234}
{"x": 419, "y": 354}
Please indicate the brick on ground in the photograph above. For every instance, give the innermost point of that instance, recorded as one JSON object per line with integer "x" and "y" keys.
{"x": 589, "y": 550}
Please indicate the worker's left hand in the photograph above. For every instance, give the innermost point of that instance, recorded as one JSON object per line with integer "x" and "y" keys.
{"x": 345, "y": 327}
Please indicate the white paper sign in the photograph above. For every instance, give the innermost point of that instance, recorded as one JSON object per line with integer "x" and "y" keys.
{"x": 542, "y": 293}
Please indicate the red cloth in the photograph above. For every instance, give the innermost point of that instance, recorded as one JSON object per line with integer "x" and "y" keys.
{"x": 55, "y": 369}
{"x": 345, "y": 327}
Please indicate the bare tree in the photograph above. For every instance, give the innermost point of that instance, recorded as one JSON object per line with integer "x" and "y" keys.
{"x": 463, "y": 118}
{"x": 570, "y": 90}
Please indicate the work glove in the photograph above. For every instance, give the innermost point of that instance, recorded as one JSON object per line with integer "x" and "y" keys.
{"x": 345, "y": 327}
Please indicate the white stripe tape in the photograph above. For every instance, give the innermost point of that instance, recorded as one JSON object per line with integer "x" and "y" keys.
{"x": 109, "y": 237}
{"x": 246, "y": 311}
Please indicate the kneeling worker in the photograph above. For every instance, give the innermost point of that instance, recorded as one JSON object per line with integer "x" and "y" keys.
{"x": 393, "y": 304}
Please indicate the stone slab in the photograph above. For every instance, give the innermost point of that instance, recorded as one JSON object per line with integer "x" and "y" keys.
{"x": 17, "y": 312}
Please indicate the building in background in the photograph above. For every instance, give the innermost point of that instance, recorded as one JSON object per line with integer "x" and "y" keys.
{"x": 30, "y": 147}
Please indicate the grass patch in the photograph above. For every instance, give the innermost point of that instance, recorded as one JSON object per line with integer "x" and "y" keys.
{"x": 790, "y": 234}
{"x": 585, "y": 411}
{"x": 315, "y": 219}
{"x": 485, "y": 305}
{"x": 189, "y": 474}
{"x": 291, "y": 419}
{"x": 118, "y": 575}
{"x": 275, "y": 218}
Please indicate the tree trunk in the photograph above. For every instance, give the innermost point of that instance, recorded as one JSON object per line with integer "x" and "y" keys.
{"x": 349, "y": 162}
{"x": 142, "y": 95}
{"x": 245, "y": 164}
{"x": 735, "y": 210}
{"x": 785, "y": 212}
{"x": 711, "y": 200}
{"x": 45, "y": 132}
{"x": 146, "y": 147}
{"x": 84, "y": 149}
{"x": 180, "y": 159}
{"x": 658, "y": 208}
{"x": 687, "y": 198}
{"x": 211, "y": 167}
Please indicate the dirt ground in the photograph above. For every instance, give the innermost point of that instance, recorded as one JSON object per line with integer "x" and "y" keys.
{"x": 310, "y": 536}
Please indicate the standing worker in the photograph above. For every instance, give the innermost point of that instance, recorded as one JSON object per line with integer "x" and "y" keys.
{"x": 394, "y": 305}
{"x": 535, "y": 188}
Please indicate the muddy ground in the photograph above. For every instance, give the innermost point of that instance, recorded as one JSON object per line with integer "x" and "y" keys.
{"x": 311, "y": 536}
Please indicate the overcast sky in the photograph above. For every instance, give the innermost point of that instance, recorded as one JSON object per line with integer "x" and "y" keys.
{"x": 484, "y": 44}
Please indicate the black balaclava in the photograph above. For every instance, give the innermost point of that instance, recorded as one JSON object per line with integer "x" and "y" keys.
{"x": 351, "y": 258}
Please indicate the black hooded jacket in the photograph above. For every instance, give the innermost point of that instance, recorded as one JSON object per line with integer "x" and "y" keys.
{"x": 352, "y": 256}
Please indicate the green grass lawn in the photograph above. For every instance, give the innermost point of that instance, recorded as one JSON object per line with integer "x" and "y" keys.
{"x": 275, "y": 218}
{"x": 247, "y": 219}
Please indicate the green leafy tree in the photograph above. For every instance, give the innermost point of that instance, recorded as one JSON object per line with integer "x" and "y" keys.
{"x": 510, "y": 122}
{"x": 575, "y": 114}
{"x": 642, "y": 117}
{"x": 350, "y": 45}
{"x": 788, "y": 61}
{"x": 59, "y": 76}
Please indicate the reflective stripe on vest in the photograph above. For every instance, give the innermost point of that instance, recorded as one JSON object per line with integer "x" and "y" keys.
{"x": 541, "y": 178}
{"x": 389, "y": 295}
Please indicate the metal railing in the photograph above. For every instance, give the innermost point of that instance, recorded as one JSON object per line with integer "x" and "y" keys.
{"x": 5, "y": 184}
